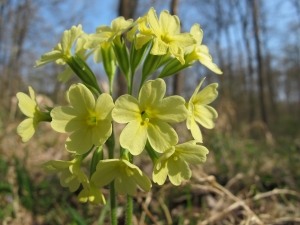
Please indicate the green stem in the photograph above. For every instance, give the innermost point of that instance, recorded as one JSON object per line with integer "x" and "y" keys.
{"x": 110, "y": 143}
{"x": 113, "y": 204}
{"x": 129, "y": 209}
{"x": 129, "y": 204}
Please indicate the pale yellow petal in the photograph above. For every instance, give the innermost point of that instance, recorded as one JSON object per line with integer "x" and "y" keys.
{"x": 65, "y": 75}
{"x": 160, "y": 176}
{"x": 106, "y": 172}
{"x": 210, "y": 65}
{"x": 65, "y": 119}
{"x": 205, "y": 115}
{"x": 142, "y": 39}
{"x": 101, "y": 132}
{"x": 74, "y": 185}
{"x": 197, "y": 33}
{"x": 192, "y": 153}
{"x": 159, "y": 47}
{"x": 80, "y": 141}
{"x": 178, "y": 170}
{"x": 171, "y": 109}
{"x": 97, "y": 55}
{"x": 69, "y": 37}
{"x": 161, "y": 135}
{"x": 196, "y": 133}
{"x": 141, "y": 179}
{"x": 26, "y": 104}
{"x": 127, "y": 108}
{"x": 151, "y": 93}
{"x": 31, "y": 93}
{"x": 125, "y": 185}
{"x": 169, "y": 24}
{"x": 153, "y": 21}
{"x": 192, "y": 99}
{"x": 134, "y": 137}
{"x": 178, "y": 53}
{"x": 26, "y": 129}
{"x": 104, "y": 106}
{"x": 207, "y": 95}
{"x": 183, "y": 40}
{"x": 49, "y": 57}
{"x": 81, "y": 99}
{"x": 67, "y": 177}
{"x": 120, "y": 25}
{"x": 95, "y": 40}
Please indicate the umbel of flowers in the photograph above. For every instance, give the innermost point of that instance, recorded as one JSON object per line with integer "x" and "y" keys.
{"x": 148, "y": 117}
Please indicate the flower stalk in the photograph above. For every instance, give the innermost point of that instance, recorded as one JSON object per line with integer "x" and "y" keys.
{"x": 89, "y": 117}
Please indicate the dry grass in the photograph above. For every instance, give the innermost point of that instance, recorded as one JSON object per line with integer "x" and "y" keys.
{"x": 230, "y": 188}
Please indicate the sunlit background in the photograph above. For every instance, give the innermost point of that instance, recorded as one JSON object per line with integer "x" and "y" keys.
{"x": 254, "y": 148}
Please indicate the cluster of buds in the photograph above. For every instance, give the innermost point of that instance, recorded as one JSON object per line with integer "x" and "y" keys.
{"x": 156, "y": 43}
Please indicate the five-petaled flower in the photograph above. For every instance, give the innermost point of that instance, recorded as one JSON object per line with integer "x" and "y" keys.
{"x": 200, "y": 52}
{"x": 62, "y": 51}
{"x": 166, "y": 35}
{"x": 148, "y": 117}
{"x": 29, "y": 107}
{"x": 125, "y": 175}
{"x": 108, "y": 34}
{"x": 71, "y": 174}
{"x": 199, "y": 111}
{"x": 89, "y": 121}
{"x": 91, "y": 194}
{"x": 174, "y": 162}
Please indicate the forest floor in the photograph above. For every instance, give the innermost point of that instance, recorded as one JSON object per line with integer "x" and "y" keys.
{"x": 247, "y": 179}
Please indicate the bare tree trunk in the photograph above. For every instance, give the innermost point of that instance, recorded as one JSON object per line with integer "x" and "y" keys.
{"x": 220, "y": 27}
{"x": 126, "y": 9}
{"x": 178, "y": 79}
{"x": 259, "y": 59}
{"x": 249, "y": 69}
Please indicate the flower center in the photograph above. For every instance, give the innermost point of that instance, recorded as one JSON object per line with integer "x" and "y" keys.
{"x": 125, "y": 170}
{"x": 92, "y": 121}
{"x": 145, "y": 117}
{"x": 166, "y": 38}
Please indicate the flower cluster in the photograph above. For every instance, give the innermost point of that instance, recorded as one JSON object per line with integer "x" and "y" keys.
{"x": 148, "y": 117}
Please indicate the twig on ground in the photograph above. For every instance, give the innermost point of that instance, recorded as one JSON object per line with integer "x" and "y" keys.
{"x": 146, "y": 210}
{"x": 166, "y": 210}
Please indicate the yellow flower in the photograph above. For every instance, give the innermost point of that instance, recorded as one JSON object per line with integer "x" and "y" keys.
{"x": 148, "y": 117}
{"x": 91, "y": 194}
{"x": 125, "y": 175}
{"x": 71, "y": 174}
{"x": 62, "y": 51}
{"x": 167, "y": 35}
{"x": 145, "y": 34}
{"x": 81, "y": 52}
{"x": 200, "y": 52}
{"x": 174, "y": 162}
{"x": 108, "y": 34}
{"x": 89, "y": 121}
{"x": 29, "y": 107}
{"x": 199, "y": 111}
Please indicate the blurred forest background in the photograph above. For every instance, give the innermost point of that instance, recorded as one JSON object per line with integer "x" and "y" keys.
{"x": 252, "y": 175}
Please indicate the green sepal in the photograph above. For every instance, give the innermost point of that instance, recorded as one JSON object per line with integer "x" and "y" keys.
{"x": 167, "y": 58}
{"x": 136, "y": 56}
{"x": 109, "y": 62}
{"x": 173, "y": 67}
{"x": 110, "y": 144}
{"x": 48, "y": 108}
{"x": 45, "y": 116}
{"x": 151, "y": 152}
{"x": 122, "y": 56}
{"x": 85, "y": 74}
{"x": 97, "y": 156}
{"x": 151, "y": 63}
